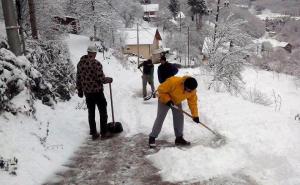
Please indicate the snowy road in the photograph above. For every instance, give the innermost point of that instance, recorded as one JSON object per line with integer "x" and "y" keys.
{"x": 114, "y": 161}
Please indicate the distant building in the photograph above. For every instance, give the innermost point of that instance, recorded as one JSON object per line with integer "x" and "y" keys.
{"x": 149, "y": 39}
{"x": 150, "y": 11}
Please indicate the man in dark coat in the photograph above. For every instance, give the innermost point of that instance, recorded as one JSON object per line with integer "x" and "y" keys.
{"x": 165, "y": 70}
{"x": 148, "y": 69}
{"x": 89, "y": 82}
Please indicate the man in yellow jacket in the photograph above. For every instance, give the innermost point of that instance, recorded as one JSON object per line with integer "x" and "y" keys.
{"x": 171, "y": 93}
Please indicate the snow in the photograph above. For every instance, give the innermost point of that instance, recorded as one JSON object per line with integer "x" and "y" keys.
{"x": 146, "y": 36}
{"x": 268, "y": 14}
{"x": 262, "y": 141}
{"x": 274, "y": 42}
{"x": 150, "y": 7}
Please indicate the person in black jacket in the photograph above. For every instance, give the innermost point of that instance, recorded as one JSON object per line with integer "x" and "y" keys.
{"x": 148, "y": 69}
{"x": 165, "y": 70}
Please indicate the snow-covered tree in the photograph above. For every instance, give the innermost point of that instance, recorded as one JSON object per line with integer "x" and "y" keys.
{"x": 174, "y": 7}
{"x": 129, "y": 11}
{"x": 226, "y": 54}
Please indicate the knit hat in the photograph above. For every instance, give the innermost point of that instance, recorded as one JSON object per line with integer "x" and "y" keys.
{"x": 92, "y": 49}
{"x": 190, "y": 83}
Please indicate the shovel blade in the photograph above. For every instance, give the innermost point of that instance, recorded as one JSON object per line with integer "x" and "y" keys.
{"x": 218, "y": 141}
{"x": 115, "y": 127}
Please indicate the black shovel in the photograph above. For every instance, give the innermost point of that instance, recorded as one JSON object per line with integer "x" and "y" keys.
{"x": 113, "y": 127}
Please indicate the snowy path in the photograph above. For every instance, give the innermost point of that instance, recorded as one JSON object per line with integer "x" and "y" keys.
{"x": 123, "y": 160}
{"x": 118, "y": 160}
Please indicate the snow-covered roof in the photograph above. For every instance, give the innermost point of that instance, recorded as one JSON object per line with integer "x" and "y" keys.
{"x": 180, "y": 15}
{"x": 146, "y": 36}
{"x": 151, "y": 16}
{"x": 151, "y": 7}
{"x": 274, "y": 42}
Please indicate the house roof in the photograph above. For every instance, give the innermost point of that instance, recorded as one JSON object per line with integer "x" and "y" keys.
{"x": 180, "y": 15}
{"x": 150, "y": 7}
{"x": 146, "y": 36}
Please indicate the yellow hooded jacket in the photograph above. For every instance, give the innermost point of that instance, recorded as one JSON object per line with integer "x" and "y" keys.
{"x": 173, "y": 89}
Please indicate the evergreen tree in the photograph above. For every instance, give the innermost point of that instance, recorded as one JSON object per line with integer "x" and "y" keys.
{"x": 198, "y": 9}
{"x": 174, "y": 7}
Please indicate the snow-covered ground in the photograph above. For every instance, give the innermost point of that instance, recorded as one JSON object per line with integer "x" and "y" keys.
{"x": 262, "y": 141}
{"x": 268, "y": 14}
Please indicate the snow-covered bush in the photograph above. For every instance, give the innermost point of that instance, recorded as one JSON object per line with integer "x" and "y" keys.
{"x": 255, "y": 96}
{"x": 52, "y": 59}
{"x": 20, "y": 82}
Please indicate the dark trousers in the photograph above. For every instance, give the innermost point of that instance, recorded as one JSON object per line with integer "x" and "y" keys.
{"x": 93, "y": 99}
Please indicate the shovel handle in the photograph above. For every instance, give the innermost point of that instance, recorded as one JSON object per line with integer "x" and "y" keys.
{"x": 111, "y": 103}
{"x": 186, "y": 113}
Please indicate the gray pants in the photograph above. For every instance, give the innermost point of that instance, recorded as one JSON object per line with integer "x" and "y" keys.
{"x": 147, "y": 79}
{"x": 162, "y": 111}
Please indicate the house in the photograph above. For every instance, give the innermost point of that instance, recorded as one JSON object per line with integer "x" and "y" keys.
{"x": 149, "y": 39}
{"x": 71, "y": 24}
{"x": 150, "y": 11}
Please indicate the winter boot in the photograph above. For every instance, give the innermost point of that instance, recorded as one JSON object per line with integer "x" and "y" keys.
{"x": 95, "y": 136}
{"x": 152, "y": 142}
{"x": 181, "y": 141}
{"x": 153, "y": 95}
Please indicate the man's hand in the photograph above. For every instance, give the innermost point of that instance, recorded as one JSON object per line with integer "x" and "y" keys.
{"x": 170, "y": 103}
{"x": 196, "y": 119}
{"x": 80, "y": 94}
{"x": 108, "y": 80}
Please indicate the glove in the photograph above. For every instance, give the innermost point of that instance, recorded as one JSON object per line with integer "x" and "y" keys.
{"x": 108, "y": 80}
{"x": 170, "y": 103}
{"x": 80, "y": 94}
{"x": 196, "y": 119}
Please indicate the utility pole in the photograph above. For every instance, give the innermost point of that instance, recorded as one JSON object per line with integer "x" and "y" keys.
{"x": 20, "y": 22}
{"x": 188, "y": 45}
{"x": 180, "y": 21}
{"x": 138, "y": 43}
{"x": 217, "y": 18}
{"x": 95, "y": 28}
{"x": 11, "y": 26}
{"x": 32, "y": 19}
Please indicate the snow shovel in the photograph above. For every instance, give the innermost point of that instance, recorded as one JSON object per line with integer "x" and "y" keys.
{"x": 113, "y": 127}
{"x": 218, "y": 141}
